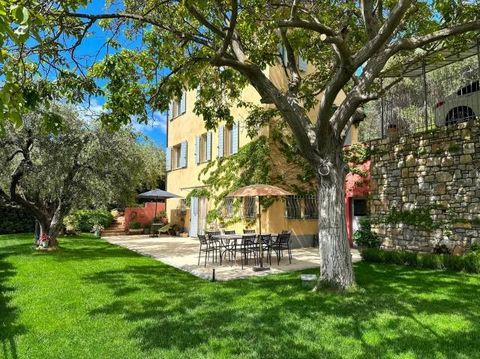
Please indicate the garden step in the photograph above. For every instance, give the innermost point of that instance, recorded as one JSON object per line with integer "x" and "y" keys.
{"x": 113, "y": 233}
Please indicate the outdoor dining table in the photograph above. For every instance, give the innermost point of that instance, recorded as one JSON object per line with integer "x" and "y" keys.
{"x": 225, "y": 241}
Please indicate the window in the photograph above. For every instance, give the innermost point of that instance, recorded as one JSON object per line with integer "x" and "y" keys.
{"x": 177, "y": 156}
{"x": 360, "y": 207}
{"x": 301, "y": 62}
{"x": 228, "y": 207}
{"x": 203, "y": 148}
{"x": 249, "y": 207}
{"x": 228, "y": 139}
{"x": 293, "y": 207}
{"x": 470, "y": 88}
{"x": 178, "y": 107}
{"x": 311, "y": 206}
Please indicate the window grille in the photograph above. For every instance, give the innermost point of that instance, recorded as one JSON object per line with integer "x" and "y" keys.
{"x": 249, "y": 207}
{"x": 293, "y": 207}
{"x": 228, "y": 207}
{"x": 311, "y": 206}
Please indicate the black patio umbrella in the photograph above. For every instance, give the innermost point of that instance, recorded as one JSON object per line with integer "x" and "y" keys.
{"x": 157, "y": 194}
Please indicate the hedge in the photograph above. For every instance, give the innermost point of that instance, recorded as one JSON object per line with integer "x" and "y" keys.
{"x": 14, "y": 219}
{"x": 470, "y": 262}
{"x": 83, "y": 220}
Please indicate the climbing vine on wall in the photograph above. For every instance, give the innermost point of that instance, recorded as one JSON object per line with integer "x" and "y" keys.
{"x": 423, "y": 218}
{"x": 253, "y": 164}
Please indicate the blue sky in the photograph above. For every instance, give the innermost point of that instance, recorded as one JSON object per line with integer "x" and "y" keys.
{"x": 91, "y": 50}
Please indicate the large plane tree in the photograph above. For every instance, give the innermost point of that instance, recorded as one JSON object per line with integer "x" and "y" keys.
{"x": 221, "y": 46}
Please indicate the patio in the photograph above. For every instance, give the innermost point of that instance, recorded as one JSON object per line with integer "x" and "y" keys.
{"x": 182, "y": 253}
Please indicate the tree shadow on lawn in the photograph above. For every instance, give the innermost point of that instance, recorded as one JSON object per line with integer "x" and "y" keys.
{"x": 274, "y": 316}
{"x": 8, "y": 313}
{"x": 86, "y": 248}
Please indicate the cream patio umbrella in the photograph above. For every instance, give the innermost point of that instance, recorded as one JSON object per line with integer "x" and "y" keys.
{"x": 259, "y": 190}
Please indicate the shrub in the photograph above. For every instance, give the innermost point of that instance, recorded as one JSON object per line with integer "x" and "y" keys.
{"x": 83, "y": 220}
{"x": 475, "y": 247}
{"x": 429, "y": 260}
{"x": 453, "y": 263}
{"x": 470, "y": 262}
{"x": 14, "y": 219}
{"x": 134, "y": 225}
{"x": 364, "y": 237}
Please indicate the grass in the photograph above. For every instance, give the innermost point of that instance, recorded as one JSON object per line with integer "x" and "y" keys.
{"x": 95, "y": 300}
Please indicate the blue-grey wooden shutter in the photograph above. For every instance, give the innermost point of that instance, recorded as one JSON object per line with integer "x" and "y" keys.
{"x": 209, "y": 146}
{"x": 302, "y": 63}
{"x": 183, "y": 102}
{"x": 235, "y": 136}
{"x": 220, "y": 141}
{"x": 197, "y": 149}
{"x": 183, "y": 154}
{"x": 168, "y": 159}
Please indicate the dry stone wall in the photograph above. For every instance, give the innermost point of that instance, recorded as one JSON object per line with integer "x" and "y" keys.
{"x": 425, "y": 189}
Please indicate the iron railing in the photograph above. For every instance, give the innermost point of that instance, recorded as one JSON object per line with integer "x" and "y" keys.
{"x": 442, "y": 97}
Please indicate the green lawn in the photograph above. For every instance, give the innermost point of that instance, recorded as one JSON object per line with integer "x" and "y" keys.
{"x": 95, "y": 300}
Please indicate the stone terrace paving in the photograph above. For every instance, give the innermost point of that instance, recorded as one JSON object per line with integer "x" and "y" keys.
{"x": 182, "y": 253}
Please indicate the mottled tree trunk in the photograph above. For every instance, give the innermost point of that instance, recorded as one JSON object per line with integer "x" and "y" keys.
{"x": 335, "y": 258}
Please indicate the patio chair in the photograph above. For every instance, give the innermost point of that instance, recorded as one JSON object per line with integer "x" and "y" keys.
{"x": 229, "y": 231}
{"x": 247, "y": 248}
{"x": 248, "y": 231}
{"x": 215, "y": 242}
{"x": 207, "y": 248}
{"x": 281, "y": 244}
{"x": 210, "y": 234}
{"x": 266, "y": 240}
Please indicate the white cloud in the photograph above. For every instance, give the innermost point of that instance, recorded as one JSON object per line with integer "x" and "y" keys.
{"x": 90, "y": 110}
{"x": 158, "y": 121}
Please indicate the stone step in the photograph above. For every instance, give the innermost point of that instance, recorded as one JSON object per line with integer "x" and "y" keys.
{"x": 110, "y": 232}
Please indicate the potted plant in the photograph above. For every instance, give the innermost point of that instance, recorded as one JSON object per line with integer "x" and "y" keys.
{"x": 135, "y": 228}
{"x": 161, "y": 217}
{"x": 392, "y": 130}
{"x": 44, "y": 241}
{"x": 97, "y": 229}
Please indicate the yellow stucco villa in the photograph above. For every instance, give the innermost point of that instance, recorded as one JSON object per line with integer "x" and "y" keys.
{"x": 190, "y": 147}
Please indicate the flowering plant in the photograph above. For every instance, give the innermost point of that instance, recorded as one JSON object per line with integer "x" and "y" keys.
{"x": 97, "y": 228}
{"x": 44, "y": 238}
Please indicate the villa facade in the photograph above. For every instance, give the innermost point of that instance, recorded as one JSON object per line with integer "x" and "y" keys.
{"x": 191, "y": 147}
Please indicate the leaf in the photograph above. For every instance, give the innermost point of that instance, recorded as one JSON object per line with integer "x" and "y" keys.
{"x": 21, "y": 14}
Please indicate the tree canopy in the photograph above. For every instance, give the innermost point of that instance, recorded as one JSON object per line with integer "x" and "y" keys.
{"x": 79, "y": 166}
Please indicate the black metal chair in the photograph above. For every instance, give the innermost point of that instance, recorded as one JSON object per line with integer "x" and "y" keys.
{"x": 206, "y": 247}
{"x": 229, "y": 231}
{"x": 248, "y": 231}
{"x": 214, "y": 242}
{"x": 281, "y": 244}
{"x": 265, "y": 240}
{"x": 247, "y": 248}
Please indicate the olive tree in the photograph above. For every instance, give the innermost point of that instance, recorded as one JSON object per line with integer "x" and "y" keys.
{"x": 80, "y": 165}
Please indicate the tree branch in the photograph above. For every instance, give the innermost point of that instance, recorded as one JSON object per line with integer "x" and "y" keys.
{"x": 203, "y": 20}
{"x": 419, "y": 41}
{"x": 384, "y": 34}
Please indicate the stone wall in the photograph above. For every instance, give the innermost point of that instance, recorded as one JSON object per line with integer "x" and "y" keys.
{"x": 431, "y": 180}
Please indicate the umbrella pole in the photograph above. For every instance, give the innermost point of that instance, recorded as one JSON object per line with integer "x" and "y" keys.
{"x": 260, "y": 242}
{"x": 260, "y": 232}
{"x": 259, "y": 217}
